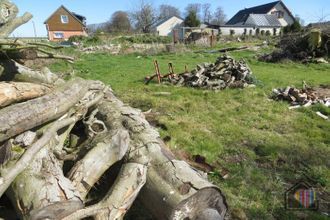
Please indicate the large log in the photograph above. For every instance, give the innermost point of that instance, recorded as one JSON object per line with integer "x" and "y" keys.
{"x": 42, "y": 191}
{"x": 8, "y": 20}
{"x": 105, "y": 152}
{"x": 15, "y": 71}
{"x": 11, "y": 92}
{"x": 173, "y": 189}
{"x": 18, "y": 118}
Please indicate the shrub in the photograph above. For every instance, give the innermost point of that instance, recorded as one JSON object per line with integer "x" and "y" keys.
{"x": 250, "y": 32}
{"x": 262, "y": 32}
{"x": 85, "y": 39}
{"x": 257, "y": 31}
{"x": 232, "y": 32}
{"x": 245, "y": 31}
{"x": 146, "y": 39}
{"x": 274, "y": 31}
{"x": 267, "y": 33}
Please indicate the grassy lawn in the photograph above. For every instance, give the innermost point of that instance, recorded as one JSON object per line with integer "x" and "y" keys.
{"x": 264, "y": 146}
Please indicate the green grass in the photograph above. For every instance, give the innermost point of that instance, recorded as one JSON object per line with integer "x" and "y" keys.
{"x": 261, "y": 143}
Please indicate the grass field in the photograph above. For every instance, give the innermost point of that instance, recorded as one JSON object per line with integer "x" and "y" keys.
{"x": 264, "y": 146}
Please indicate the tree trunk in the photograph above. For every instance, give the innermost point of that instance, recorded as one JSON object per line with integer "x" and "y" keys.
{"x": 42, "y": 191}
{"x": 18, "y": 118}
{"x": 11, "y": 92}
{"x": 173, "y": 189}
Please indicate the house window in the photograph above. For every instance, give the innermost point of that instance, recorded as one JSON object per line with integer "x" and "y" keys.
{"x": 58, "y": 35}
{"x": 279, "y": 14}
{"x": 64, "y": 19}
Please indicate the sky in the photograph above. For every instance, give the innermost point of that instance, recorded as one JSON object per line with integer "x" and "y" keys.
{"x": 98, "y": 11}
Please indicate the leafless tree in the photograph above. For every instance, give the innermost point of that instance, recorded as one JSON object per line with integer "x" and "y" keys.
{"x": 206, "y": 11}
{"x": 167, "y": 11}
{"x": 119, "y": 22}
{"x": 195, "y": 7}
{"x": 219, "y": 17}
{"x": 144, "y": 16}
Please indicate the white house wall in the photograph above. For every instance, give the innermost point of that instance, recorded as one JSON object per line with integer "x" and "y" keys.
{"x": 167, "y": 27}
{"x": 287, "y": 19}
{"x": 240, "y": 30}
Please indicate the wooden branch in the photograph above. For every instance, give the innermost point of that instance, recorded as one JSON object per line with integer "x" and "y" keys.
{"x": 9, "y": 173}
{"x": 11, "y": 92}
{"x": 173, "y": 189}
{"x": 10, "y": 26}
{"x": 100, "y": 158}
{"x": 120, "y": 197}
{"x": 50, "y": 55}
{"x": 18, "y": 118}
{"x": 18, "y": 72}
{"x": 42, "y": 191}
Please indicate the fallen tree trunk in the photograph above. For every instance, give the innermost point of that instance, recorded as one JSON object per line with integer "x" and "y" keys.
{"x": 120, "y": 197}
{"x": 173, "y": 189}
{"x": 11, "y": 92}
{"x": 20, "y": 117}
{"x": 18, "y": 72}
{"x": 46, "y": 194}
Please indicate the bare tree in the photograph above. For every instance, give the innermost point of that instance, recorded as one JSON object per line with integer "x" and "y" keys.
{"x": 195, "y": 7}
{"x": 206, "y": 11}
{"x": 144, "y": 16}
{"x": 219, "y": 17}
{"x": 119, "y": 22}
{"x": 167, "y": 11}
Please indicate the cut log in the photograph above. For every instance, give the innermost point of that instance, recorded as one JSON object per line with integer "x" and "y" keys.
{"x": 120, "y": 197}
{"x": 42, "y": 191}
{"x": 18, "y": 72}
{"x": 8, "y": 19}
{"x": 11, "y": 92}
{"x": 173, "y": 189}
{"x": 100, "y": 158}
{"x": 18, "y": 118}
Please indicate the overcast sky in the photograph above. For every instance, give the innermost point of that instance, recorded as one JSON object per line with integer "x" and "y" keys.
{"x": 98, "y": 11}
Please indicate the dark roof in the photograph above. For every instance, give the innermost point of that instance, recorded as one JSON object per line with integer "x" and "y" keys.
{"x": 262, "y": 20}
{"x": 78, "y": 17}
{"x": 241, "y": 16}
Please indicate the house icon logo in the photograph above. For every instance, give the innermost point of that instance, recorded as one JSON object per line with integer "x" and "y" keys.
{"x": 301, "y": 196}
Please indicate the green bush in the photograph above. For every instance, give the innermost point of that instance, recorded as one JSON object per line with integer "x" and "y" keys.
{"x": 262, "y": 32}
{"x": 85, "y": 39}
{"x": 146, "y": 39}
{"x": 267, "y": 33}
{"x": 232, "y": 32}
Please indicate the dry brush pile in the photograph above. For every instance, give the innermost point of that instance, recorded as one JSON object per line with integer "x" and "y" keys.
{"x": 308, "y": 46}
{"x": 48, "y": 124}
{"x": 226, "y": 72}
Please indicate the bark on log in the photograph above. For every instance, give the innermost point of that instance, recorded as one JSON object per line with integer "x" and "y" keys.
{"x": 11, "y": 92}
{"x": 18, "y": 72}
{"x": 42, "y": 191}
{"x": 120, "y": 197}
{"x": 173, "y": 189}
{"x": 100, "y": 158}
{"x": 18, "y": 118}
{"x": 8, "y": 20}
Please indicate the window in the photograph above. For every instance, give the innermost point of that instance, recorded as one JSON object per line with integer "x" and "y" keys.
{"x": 58, "y": 35}
{"x": 279, "y": 14}
{"x": 64, "y": 19}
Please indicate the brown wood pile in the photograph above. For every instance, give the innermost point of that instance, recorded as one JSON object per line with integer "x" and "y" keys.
{"x": 226, "y": 72}
{"x": 301, "y": 97}
{"x": 72, "y": 150}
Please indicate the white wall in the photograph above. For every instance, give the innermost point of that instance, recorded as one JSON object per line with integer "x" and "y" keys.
{"x": 240, "y": 30}
{"x": 167, "y": 27}
{"x": 287, "y": 19}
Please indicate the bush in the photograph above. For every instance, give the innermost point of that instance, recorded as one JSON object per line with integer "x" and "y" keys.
{"x": 250, "y": 32}
{"x": 262, "y": 32}
{"x": 267, "y": 33}
{"x": 232, "y": 32}
{"x": 85, "y": 39}
{"x": 146, "y": 39}
{"x": 274, "y": 31}
{"x": 257, "y": 31}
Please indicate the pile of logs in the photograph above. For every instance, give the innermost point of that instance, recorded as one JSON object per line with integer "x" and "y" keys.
{"x": 61, "y": 140}
{"x": 301, "y": 97}
{"x": 224, "y": 73}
